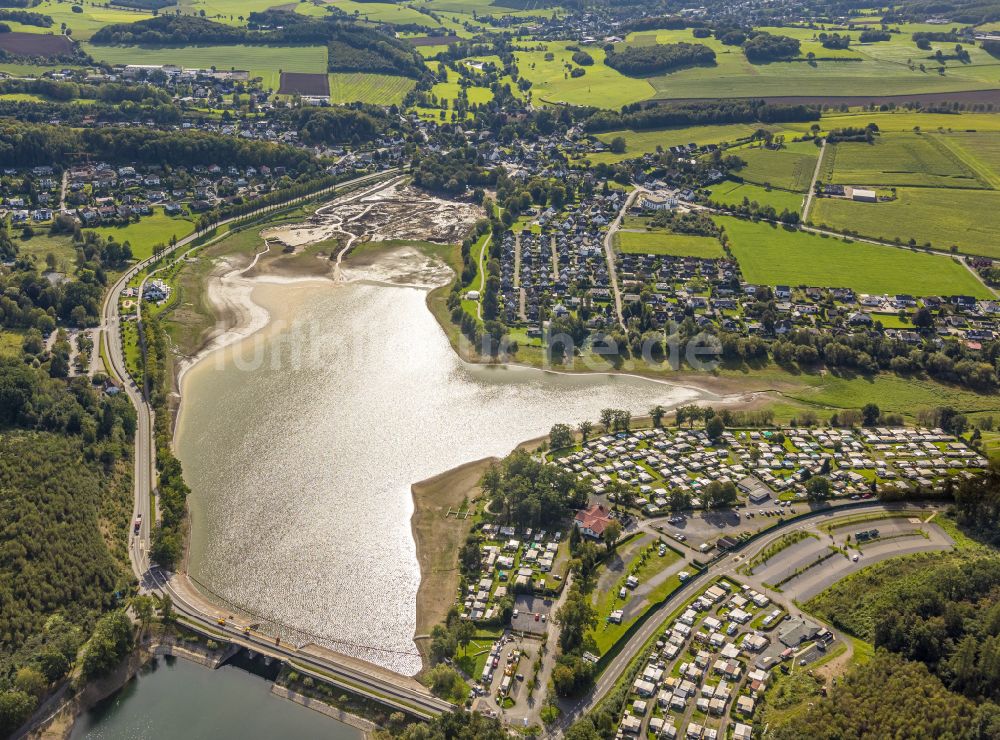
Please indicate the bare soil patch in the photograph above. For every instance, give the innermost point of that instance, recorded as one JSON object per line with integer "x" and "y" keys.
{"x": 304, "y": 83}
{"x": 35, "y": 44}
{"x": 438, "y": 538}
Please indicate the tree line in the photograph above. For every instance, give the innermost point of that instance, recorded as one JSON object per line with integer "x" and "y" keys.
{"x": 651, "y": 115}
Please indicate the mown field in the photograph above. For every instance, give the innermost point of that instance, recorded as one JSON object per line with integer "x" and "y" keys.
{"x": 638, "y": 143}
{"x": 899, "y": 159}
{"x": 730, "y": 193}
{"x": 790, "y": 168}
{"x": 601, "y": 86}
{"x": 377, "y": 89}
{"x": 772, "y": 255}
{"x": 942, "y": 217}
{"x": 143, "y": 235}
{"x": 261, "y": 61}
{"x": 666, "y": 243}
{"x": 864, "y": 69}
{"x": 84, "y": 25}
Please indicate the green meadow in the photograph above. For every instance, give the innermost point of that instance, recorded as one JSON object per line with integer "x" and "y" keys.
{"x": 145, "y": 234}
{"x": 600, "y": 86}
{"x": 638, "y": 143}
{"x": 377, "y": 89}
{"x": 773, "y": 255}
{"x": 730, "y": 193}
{"x": 899, "y": 159}
{"x": 790, "y": 168}
{"x": 942, "y": 217}
{"x": 666, "y": 243}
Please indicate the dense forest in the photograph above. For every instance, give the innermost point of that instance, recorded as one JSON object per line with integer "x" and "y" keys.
{"x": 451, "y": 173}
{"x": 658, "y": 58}
{"x": 28, "y": 146}
{"x": 890, "y": 698}
{"x": 26, "y": 18}
{"x": 648, "y": 116}
{"x": 338, "y": 125}
{"x": 527, "y": 493}
{"x": 65, "y": 504}
{"x": 765, "y": 47}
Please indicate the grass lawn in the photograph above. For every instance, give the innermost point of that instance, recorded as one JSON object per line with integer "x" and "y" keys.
{"x": 148, "y": 232}
{"x": 772, "y": 255}
{"x": 363, "y": 87}
{"x": 790, "y": 168}
{"x": 638, "y": 143}
{"x": 898, "y": 159}
{"x": 260, "y": 61}
{"x": 662, "y": 242}
{"x": 940, "y": 216}
{"x": 730, "y": 193}
{"x": 607, "y": 634}
{"x": 600, "y": 86}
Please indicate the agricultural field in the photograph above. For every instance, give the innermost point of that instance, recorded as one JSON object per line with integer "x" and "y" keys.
{"x": 942, "y": 217}
{"x": 143, "y": 235}
{"x": 899, "y": 159}
{"x": 601, "y": 86}
{"x": 363, "y": 87}
{"x": 39, "y": 246}
{"x": 732, "y": 194}
{"x": 666, "y": 243}
{"x": 392, "y": 13}
{"x": 904, "y": 121}
{"x": 261, "y": 61}
{"x": 34, "y": 44}
{"x": 772, "y": 255}
{"x": 790, "y": 168}
{"x": 864, "y": 69}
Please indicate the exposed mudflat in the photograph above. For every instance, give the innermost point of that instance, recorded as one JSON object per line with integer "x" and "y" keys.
{"x": 393, "y": 212}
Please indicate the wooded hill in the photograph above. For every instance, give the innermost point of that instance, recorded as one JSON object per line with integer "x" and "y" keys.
{"x": 659, "y": 58}
{"x": 353, "y": 47}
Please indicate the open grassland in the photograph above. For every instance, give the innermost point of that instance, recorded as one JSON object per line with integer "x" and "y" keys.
{"x": 362, "y": 87}
{"x": 148, "y": 232}
{"x": 666, "y": 243}
{"x": 451, "y": 90}
{"x": 733, "y": 193}
{"x": 942, "y": 217}
{"x": 772, "y": 255}
{"x": 790, "y": 168}
{"x": 980, "y": 151}
{"x": 903, "y": 120}
{"x": 898, "y": 159}
{"x": 638, "y": 143}
{"x": 261, "y": 61}
{"x": 84, "y": 25}
{"x": 601, "y": 86}
{"x": 864, "y": 69}
{"x": 37, "y": 247}
{"x": 393, "y": 13}
{"x": 904, "y": 395}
